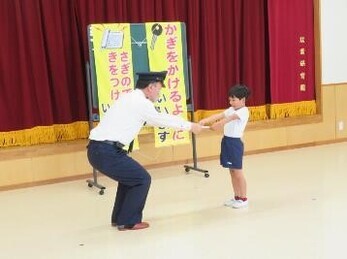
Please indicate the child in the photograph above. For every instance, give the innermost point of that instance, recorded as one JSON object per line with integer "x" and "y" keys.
{"x": 234, "y": 121}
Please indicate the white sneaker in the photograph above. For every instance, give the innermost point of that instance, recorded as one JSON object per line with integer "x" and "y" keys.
{"x": 229, "y": 203}
{"x": 238, "y": 204}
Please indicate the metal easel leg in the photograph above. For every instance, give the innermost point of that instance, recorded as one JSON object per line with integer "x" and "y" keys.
{"x": 187, "y": 168}
{"x": 94, "y": 182}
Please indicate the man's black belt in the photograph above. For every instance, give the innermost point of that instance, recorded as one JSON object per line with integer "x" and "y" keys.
{"x": 112, "y": 143}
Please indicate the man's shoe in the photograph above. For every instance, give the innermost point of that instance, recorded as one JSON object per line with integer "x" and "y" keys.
{"x": 238, "y": 204}
{"x": 137, "y": 226}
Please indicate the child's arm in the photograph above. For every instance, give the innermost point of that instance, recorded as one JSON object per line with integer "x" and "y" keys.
{"x": 219, "y": 124}
{"x": 212, "y": 118}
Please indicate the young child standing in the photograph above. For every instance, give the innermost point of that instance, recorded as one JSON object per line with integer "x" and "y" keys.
{"x": 234, "y": 120}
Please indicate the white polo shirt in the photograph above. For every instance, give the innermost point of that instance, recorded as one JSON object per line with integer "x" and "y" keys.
{"x": 236, "y": 128}
{"x": 124, "y": 119}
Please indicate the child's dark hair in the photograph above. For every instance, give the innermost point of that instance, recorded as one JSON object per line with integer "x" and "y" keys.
{"x": 239, "y": 91}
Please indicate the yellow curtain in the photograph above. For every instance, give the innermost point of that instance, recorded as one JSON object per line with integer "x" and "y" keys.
{"x": 285, "y": 110}
{"x": 45, "y": 134}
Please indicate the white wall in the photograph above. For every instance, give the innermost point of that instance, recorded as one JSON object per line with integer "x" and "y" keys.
{"x": 334, "y": 41}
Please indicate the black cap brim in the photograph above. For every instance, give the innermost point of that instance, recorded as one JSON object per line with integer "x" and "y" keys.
{"x": 145, "y": 78}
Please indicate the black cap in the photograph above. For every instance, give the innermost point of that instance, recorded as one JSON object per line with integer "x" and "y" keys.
{"x": 145, "y": 78}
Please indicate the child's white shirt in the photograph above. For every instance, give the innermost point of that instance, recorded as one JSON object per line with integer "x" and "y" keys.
{"x": 236, "y": 128}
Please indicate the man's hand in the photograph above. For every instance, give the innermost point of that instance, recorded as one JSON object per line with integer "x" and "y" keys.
{"x": 196, "y": 128}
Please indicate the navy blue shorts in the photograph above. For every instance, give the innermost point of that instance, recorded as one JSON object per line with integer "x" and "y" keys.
{"x": 231, "y": 153}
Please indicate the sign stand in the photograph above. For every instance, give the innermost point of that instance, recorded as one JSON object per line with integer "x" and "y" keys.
{"x": 190, "y": 108}
{"x": 92, "y": 118}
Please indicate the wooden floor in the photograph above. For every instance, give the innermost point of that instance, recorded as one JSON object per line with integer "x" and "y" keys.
{"x": 297, "y": 209}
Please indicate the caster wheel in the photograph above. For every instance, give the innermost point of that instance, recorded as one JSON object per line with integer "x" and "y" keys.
{"x": 207, "y": 175}
{"x": 90, "y": 185}
{"x": 101, "y": 192}
{"x": 187, "y": 169}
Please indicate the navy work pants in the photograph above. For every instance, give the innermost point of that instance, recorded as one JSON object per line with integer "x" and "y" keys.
{"x": 133, "y": 181}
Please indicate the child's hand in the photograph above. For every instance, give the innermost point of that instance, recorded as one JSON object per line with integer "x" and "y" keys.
{"x": 216, "y": 126}
{"x": 203, "y": 122}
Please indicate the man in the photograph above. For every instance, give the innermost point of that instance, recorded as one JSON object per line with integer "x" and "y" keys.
{"x": 119, "y": 126}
